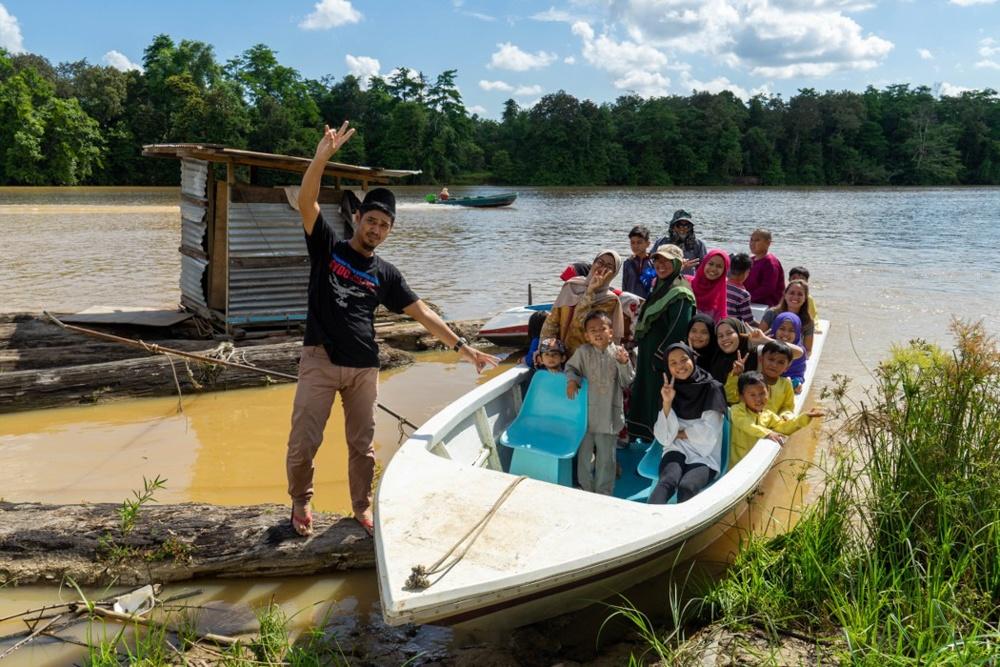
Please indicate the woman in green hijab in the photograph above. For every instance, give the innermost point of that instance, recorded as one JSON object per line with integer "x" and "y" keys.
{"x": 663, "y": 321}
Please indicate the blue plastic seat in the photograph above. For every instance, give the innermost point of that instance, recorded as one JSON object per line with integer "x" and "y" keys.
{"x": 546, "y": 433}
{"x": 649, "y": 466}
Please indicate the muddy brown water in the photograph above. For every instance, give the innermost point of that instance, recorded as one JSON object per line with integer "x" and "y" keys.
{"x": 888, "y": 265}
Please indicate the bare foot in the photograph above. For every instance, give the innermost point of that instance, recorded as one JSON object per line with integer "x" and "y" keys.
{"x": 365, "y": 519}
{"x": 302, "y": 519}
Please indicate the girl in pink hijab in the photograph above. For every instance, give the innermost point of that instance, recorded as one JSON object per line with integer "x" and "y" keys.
{"x": 709, "y": 284}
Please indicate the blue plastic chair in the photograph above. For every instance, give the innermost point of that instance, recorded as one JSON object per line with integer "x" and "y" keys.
{"x": 649, "y": 466}
{"x": 547, "y": 431}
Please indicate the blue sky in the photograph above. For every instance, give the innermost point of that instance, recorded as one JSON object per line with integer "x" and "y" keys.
{"x": 595, "y": 49}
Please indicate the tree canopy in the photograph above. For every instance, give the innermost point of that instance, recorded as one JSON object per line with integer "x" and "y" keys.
{"x": 77, "y": 123}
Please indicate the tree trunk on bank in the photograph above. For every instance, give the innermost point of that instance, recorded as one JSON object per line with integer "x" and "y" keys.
{"x": 45, "y": 543}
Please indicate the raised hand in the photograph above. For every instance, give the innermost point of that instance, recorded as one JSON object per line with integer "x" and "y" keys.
{"x": 739, "y": 363}
{"x": 816, "y": 413}
{"x": 621, "y": 354}
{"x": 667, "y": 392}
{"x": 598, "y": 276}
{"x": 757, "y": 336}
{"x": 571, "y": 389}
{"x": 690, "y": 263}
{"x": 332, "y": 140}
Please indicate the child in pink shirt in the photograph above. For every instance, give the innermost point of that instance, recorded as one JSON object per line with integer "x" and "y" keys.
{"x": 766, "y": 282}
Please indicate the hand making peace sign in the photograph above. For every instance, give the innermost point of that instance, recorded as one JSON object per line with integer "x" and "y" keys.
{"x": 738, "y": 365}
{"x": 332, "y": 140}
{"x": 667, "y": 392}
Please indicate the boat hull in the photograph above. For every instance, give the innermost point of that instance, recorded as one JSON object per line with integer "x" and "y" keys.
{"x": 546, "y": 549}
{"x": 510, "y": 327}
{"x": 488, "y": 201}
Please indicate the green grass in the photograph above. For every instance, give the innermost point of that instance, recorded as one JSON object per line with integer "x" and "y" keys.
{"x": 898, "y": 562}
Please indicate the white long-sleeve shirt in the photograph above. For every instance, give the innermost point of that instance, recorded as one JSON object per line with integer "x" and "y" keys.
{"x": 704, "y": 437}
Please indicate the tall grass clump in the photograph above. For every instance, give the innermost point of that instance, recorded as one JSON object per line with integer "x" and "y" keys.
{"x": 900, "y": 556}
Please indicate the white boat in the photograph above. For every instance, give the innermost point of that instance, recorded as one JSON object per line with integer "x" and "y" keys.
{"x": 547, "y": 549}
{"x": 510, "y": 327}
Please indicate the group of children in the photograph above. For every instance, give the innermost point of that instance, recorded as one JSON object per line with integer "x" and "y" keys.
{"x": 727, "y": 362}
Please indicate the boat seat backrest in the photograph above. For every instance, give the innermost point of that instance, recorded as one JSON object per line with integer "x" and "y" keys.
{"x": 549, "y": 422}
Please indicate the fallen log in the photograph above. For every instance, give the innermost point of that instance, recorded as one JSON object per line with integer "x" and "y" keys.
{"x": 45, "y": 543}
{"x": 153, "y": 376}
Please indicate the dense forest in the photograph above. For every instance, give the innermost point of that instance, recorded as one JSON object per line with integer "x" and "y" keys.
{"x": 77, "y": 123}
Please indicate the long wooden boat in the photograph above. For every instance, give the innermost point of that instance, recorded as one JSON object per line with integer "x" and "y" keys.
{"x": 485, "y": 201}
{"x": 547, "y": 549}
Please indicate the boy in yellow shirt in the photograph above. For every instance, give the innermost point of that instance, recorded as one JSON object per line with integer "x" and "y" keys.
{"x": 774, "y": 359}
{"x": 751, "y": 420}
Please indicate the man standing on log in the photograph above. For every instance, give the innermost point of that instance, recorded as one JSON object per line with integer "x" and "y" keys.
{"x": 347, "y": 282}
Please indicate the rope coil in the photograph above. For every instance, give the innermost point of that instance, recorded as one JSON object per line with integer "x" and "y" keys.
{"x": 420, "y": 575}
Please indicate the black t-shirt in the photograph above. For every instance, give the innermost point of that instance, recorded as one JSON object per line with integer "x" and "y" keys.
{"x": 345, "y": 287}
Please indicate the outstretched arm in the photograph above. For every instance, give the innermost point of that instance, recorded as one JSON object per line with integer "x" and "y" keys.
{"x": 419, "y": 311}
{"x": 309, "y": 192}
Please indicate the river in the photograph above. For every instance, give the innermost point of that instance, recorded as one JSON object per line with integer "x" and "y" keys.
{"x": 887, "y": 265}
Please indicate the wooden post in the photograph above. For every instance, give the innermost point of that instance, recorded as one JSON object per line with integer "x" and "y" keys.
{"x": 218, "y": 279}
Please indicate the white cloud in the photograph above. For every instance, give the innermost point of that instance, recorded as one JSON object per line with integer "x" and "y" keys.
{"x": 636, "y": 66}
{"x": 569, "y": 60}
{"x": 554, "y": 15}
{"x": 967, "y": 3}
{"x": 769, "y": 38}
{"x": 946, "y": 89}
{"x": 10, "y": 32}
{"x": 988, "y": 47}
{"x": 509, "y": 56}
{"x": 502, "y": 86}
{"x": 120, "y": 61}
{"x": 528, "y": 90}
{"x": 477, "y": 109}
{"x": 480, "y": 16}
{"x": 330, "y": 14}
{"x": 362, "y": 67}
{"x": 988, "y": 64}
{"x": 716, "y": 85}
{"x": 925, "y": 54}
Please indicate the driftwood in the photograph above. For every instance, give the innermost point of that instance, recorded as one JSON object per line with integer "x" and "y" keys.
{"x": 45, "y": 543}
{"x": 42, "y": 365}
{"x": 152, "y": 376}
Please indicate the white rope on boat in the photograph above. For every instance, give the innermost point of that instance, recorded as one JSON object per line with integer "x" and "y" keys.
{"x": 419, "y": 578}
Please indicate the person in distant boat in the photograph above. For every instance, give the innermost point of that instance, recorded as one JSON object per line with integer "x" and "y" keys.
{"x": 444, "y": 195}
{"x": 689, "y": 427}
{"x": 608, "y": 370}
{"x": 766, "y": 281}
{"x": 752, "y": 420}
{"x": 681, "y": 234}
{"x": 579, "y": 296}
{"x": 663, "y": 320}
{"x": 347, "y": 281}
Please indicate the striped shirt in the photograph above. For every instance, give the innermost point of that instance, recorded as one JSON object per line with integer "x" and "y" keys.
{"x": 738, "y": 303}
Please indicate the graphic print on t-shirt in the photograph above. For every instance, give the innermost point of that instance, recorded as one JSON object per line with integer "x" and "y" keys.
{"x": 346, "y": 281}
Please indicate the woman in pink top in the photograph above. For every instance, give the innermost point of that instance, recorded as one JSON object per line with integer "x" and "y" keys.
{"x": 709, "y": 284}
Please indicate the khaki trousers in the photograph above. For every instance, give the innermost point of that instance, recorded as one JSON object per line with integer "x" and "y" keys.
{"x": 319, "y": 382}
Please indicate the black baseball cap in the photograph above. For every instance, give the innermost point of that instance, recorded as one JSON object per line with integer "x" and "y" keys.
{"x": 379, "y": 199}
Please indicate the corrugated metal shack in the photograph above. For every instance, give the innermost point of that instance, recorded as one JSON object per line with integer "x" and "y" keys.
{"x": 243, "y": 254}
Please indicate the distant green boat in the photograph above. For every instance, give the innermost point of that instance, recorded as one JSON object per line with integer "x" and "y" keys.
{"x": 486, "y": 201}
